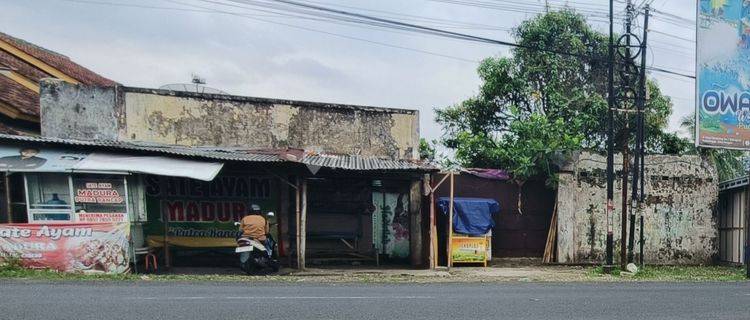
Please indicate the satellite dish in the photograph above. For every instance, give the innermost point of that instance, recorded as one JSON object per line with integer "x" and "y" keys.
{"x": 196, "y": 85}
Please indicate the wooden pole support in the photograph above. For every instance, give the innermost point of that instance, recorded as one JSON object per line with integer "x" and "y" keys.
{"x": 450, "y": 223}
{"x": 303, "y": 225}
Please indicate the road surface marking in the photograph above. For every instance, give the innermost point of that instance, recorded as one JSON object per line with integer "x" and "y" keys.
{"x": 284, "y": 298}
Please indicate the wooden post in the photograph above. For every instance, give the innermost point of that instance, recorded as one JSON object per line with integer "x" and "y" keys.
{"x": 433, "y": 230}
{"x": 450, "y": 225}
{"x": 167, "y": 257}
{"x": 303, "y": 226}
{"x": 281, "y": 214}
{"x": 416, "y": 247}
{"x": 8, "y": 205}
{"x": 297, "y": 214}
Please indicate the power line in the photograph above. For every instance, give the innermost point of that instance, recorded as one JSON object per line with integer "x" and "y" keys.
{"x": 455, "y": 34}
{"x": 382, "y": 22}
{"x": 662, "y": 70}
{"x": 256, "y": 17}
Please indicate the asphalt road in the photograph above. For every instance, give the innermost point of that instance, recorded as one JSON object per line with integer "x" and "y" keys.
{"x": 169, "y": 300}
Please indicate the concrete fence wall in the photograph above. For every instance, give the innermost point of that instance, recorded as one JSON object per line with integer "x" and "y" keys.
{"x": 679, "y": 213}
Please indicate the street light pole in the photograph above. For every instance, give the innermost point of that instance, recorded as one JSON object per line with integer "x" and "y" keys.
{"x": 610, "y": 142}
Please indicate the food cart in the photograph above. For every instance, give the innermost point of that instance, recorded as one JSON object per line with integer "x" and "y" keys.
{"x": 471, "y": 224}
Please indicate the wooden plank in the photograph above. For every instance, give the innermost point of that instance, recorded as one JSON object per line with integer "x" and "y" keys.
{"x": 551, "y": 236}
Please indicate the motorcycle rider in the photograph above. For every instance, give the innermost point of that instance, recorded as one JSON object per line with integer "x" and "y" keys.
{"x": 255, "y": 226}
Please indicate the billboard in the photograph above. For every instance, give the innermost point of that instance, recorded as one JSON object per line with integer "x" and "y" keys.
{"x": 723, "y": 74}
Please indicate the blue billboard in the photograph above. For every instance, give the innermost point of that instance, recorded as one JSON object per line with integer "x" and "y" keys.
{"x": 723, "y": 74}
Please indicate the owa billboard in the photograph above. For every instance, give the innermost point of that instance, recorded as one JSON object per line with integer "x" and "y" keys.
{"x": 723, "y": 74}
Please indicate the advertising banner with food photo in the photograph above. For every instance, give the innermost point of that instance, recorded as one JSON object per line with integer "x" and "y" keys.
{"x": 87, "y": 248}
{"x": 723, "y": 74}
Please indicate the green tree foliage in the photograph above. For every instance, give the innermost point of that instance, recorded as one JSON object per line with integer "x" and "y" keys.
{"x": 426, "y": 150}
{"x": 534, "y": 106}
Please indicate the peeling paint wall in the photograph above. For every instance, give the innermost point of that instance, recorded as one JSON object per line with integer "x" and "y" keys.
{"x": 189, "y": 120}
{"x": 69, "y": 110}
{"x": 229, "y": 121}
{"x": 680, "y": 223}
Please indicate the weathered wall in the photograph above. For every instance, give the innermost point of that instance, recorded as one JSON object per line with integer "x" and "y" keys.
{"x": 69, "y": 110}
{"x": 680, "y": 225}
{"x": 193, "y": 119}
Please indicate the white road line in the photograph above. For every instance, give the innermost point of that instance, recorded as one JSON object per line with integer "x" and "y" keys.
{"x": 284, "y": 298}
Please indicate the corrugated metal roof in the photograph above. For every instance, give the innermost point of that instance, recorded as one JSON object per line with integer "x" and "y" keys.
{"x": 233, "y": 154}
{"x": 352, "y": 162}
{"x": 345, "y": 162}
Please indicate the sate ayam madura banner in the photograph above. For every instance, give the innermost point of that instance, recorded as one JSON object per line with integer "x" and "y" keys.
{"x": 88, "y": 248}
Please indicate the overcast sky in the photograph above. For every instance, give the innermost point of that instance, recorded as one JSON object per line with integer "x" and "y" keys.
{"x": 244, "y": 51}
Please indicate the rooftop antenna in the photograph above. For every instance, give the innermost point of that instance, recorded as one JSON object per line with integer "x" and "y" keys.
{"x": 197, "y": 85}
{"x": 198, "y": 80}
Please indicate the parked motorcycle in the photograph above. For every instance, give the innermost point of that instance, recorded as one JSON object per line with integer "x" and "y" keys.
{"x": 255, "y": 258}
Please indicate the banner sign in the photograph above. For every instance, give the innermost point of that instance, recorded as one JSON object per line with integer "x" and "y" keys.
{"x": 80, "y": 247}
{"x": 723, "y": 74}
{"x": 469, "y": 249}
{"x": 100, "y": 200}
{"x": 202, "y": 213}
{"x": 30, "y": 159}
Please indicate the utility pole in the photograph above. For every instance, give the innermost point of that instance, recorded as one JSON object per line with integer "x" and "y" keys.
{"x": 625, "y": 86}
{"x": 639, "y": 165}
{"x": 610, "y": 140}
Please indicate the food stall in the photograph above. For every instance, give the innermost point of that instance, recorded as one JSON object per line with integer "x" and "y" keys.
{"x": 472, "y": 222}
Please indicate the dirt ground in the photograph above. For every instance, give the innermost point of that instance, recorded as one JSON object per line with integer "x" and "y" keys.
{"x": 498, "y": 271}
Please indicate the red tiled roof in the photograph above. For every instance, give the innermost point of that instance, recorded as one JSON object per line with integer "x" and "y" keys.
{"x": 25, "y": 100}
{"x": 58, "y": 61}
{"x": 18, "y": 96}
{"x": 9, "y": 61}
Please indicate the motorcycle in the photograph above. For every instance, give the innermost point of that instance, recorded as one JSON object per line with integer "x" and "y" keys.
{"x": 255, "y": 258}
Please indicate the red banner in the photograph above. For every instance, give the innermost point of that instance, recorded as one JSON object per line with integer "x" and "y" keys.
{"x": 79, "y": 247}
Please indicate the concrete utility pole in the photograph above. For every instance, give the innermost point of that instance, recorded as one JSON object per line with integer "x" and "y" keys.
{"x": 610, "y": 140}
{"x": 625, "y": 142}
{"x": 639, "y": 164}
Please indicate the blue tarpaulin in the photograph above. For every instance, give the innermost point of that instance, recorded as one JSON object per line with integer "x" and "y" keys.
{"x": 472, "y": 216}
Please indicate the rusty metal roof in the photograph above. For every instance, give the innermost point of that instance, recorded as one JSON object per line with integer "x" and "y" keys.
{"x": 353, "y": 162}
{"x": 344, "y": 162}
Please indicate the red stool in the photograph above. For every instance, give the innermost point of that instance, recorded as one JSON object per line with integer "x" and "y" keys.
{"x": 151, "y": 257}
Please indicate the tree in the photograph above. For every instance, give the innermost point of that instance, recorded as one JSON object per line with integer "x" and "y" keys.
{"x": 426, "y": 150}
{"x": 537, "y": 105}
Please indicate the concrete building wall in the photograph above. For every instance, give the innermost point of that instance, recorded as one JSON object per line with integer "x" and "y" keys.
{"x": 229, "y": 121}
{"x": 679, "y": 218}
{"x": 75, "y": 110}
